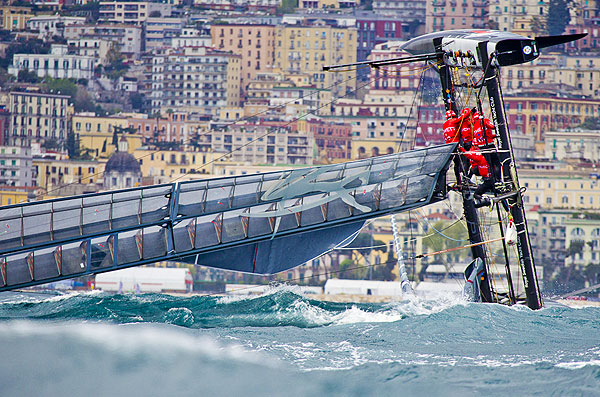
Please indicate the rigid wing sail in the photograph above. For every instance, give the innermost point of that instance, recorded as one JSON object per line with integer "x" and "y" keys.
{"x": 262, "y": 224}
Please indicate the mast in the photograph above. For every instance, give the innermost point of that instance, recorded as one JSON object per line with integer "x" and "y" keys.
{"x": 470, "y": 212}
{"x": 509, "y": 176}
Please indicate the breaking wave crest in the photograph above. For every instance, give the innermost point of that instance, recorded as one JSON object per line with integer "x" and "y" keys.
{"x": 284, "y": 343}
{"x": 281, "y": 306}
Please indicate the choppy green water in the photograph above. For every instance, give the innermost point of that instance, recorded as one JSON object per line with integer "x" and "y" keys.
{"x": 286, "y": 344}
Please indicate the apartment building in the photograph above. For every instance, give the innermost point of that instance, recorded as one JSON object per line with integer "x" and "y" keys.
{"x": 377, "y": 103}
{"x": 197, "y": 80}
{"x": 166, "y": 165}
{"x": 374, "y": 29}
{"x": 132, "y": 12}
{"x": 584, "y": 228}
{"x": 573, "y": 73}
{"x": 319, "y": 5}
{"x": 192, "y": 37}
{"x": 332, "y": 139}
{"x": 59, "y": 176}
{"x": 59, "y": 64}
{"x": 97, "y": 133}
{"x": 305, "y": 49}
{"x": 14, "y": 195}
{"x": 392, "y": 77}
{"x": 262, "y": 144}
{"x": 253, "y": 43}
{"x": 160, "y": 31}
{"x": 5, "y": 120}
{"x": 16, "y": 167}
{"x": 519, "y": 16}
{"x": 14, "y": 17}
{"x": 174, "y": 127}
{"x": 91, "y": 46}
{"x": 405, "y": 10}
{"x": 127, "y": 37}
{"x": 38, "y": 117}
{"x": 576, "y": 144}
{"x": 456, "y": 14}
{"x": 535, "y": 112}
{"x": 552, "y": 189}
{"x": 52, "y": 25}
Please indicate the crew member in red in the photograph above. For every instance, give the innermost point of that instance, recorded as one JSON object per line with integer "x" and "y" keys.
{"x": 479, "y": 122}
{"x": 466, "y": 128}
{"x": 450, "y": 127}
{"x": 479, "y": 166}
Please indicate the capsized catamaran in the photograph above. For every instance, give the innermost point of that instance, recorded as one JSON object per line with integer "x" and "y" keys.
{"x": 267, "y": 223}
{"x": 457, "y": 55}
{"x": 260, "y": 224}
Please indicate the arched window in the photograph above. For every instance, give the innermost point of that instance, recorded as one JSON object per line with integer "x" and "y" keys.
{"x": 375, "y": 151}
{"x": 578, "y": 233}
{"x": 596, "y": 239}
{"x": 390, "y": 150}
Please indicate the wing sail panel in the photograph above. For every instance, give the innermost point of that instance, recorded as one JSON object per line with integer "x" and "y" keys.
{"x": 62, "y": 238}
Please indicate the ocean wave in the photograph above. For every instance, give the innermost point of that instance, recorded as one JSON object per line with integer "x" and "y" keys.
{"x": 284, "y": 343}
{"x": 280, "y": 306}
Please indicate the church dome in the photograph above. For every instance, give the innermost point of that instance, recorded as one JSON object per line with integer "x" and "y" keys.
{"x": 122, "y": 162}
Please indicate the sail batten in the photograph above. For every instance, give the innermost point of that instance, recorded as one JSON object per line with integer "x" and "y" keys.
{"x": 216, "y": 222}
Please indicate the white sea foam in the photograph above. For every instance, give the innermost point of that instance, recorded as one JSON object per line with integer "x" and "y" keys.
{"x": 579, "y": 364}
{"x": 132, "y": 339}
{"x": 35, "y": 297}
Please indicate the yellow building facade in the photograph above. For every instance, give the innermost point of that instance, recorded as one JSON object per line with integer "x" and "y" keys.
{"x": 15, "y": 18}
{"x": 96, "y": 133}
{"x": 552, "y": 189}
{"x": 579, "y": 73}
{"x": 164, "y": 166}
{"x": 306, "y": 49}
{"x": 54, "y": 174}
{"x": 13, "y": 196}
{"x": 252, "y": 42}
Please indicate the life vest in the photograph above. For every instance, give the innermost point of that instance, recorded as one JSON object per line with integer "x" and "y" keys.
{"x": 478, "y": 138}
{"x": 477, "y": 161}
{"x": 450, "y": 129}
{"x": 466, "y": 129}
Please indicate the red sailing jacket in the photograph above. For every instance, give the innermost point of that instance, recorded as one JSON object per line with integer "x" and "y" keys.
{"x": 450, "y": 128}
{"x": 466, "y": 131}
{"x": 478, "y": 138}
{"x": 477, "y": 161}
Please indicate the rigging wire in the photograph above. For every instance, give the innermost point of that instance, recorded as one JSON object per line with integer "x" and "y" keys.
{"x": 264, "y": 135}
{"x": 244, "y": 118}
{"x": 422, "y": 73}
{"x": 330, "y": 272}
{"x": 442, "y": 258}
{"x": 98, "y": 212}
{"x": 438, "y": 231}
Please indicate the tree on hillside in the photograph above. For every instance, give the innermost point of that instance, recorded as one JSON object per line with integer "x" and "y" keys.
{"x": 591, "y": 123}
{"x": 441, "y": 238}
{"x": 25, "y": 76}
{"x": 384, "y": 271}
{"x": 115, "y": 66}
{"x": 559, "y": 16}
{"x": 287, "y": 6}
{"x": 60, "y": 86}
{"x": 538, "y": 26}
{"x": 31, "y": 46}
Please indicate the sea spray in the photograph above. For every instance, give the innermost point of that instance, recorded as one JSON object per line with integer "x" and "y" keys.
{"x": 285, "y": 343}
